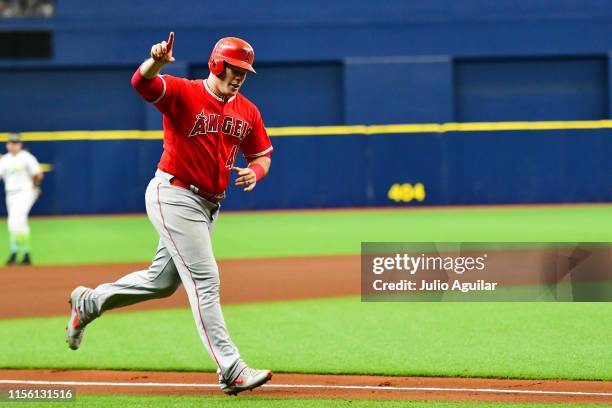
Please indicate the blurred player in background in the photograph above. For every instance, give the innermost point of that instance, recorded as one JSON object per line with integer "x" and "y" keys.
{"x": 22, "y": 176}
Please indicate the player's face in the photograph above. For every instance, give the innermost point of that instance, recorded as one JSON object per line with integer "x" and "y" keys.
{"x": 13, "y": 147}
{"x": 232, "y": 79}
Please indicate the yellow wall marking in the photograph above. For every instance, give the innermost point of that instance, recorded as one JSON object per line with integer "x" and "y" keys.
{"x": 331, "y": 130}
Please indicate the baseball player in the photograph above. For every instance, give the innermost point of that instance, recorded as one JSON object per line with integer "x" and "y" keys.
{"x": 22, "y": 176}
{"x": 205, "y": 123}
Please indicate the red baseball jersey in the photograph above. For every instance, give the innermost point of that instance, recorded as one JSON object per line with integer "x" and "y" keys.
{"x": 203, "y": 133}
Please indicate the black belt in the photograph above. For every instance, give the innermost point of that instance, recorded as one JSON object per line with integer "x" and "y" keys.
{"x": 215, "y": 198}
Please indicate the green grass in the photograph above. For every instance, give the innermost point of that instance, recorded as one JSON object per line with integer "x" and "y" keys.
{"x": 129, "y": 239}
{"x": 519, "y": 340}
{"x": 121, "y": 401}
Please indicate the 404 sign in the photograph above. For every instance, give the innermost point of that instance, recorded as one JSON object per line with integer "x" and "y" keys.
{"x": 406, "y": 192}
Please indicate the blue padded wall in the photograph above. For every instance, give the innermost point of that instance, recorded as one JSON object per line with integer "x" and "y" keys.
{"x": 531, "y": 89}
{"x": 506, "y": 167}
{"x": 294, "y": 94}
{"x": 334, "y": 63}
{"x": 398, "y": 90}
{"x": 40, "y": 99}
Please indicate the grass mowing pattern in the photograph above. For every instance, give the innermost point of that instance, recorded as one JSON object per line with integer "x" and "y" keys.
{"x": 517, "y": 340}
{"x": 131, "y": 239}
{"x": 122, "y": 401}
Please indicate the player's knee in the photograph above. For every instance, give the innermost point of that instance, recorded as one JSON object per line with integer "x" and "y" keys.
{"x": 170, "y": 288}
{"x": 166, "y": 283}
{"x": 18, "y": 226}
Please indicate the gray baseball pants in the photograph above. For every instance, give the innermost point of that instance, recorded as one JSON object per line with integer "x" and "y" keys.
{"x": 184, "y": 222}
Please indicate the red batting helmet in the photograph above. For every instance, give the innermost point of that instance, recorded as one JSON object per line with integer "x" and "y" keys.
{"x": 234, "y": 51}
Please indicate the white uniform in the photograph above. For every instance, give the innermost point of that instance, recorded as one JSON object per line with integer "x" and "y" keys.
{"x": 17, "y": 172}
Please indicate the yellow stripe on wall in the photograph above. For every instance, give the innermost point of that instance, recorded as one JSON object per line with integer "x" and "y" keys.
{"x": 438, "y": 128}
{"x": 88, "y": 135}
{"x": 331, "y": 130}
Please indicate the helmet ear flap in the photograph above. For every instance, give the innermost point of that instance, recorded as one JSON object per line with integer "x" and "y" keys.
{"x": 216, "y": 66}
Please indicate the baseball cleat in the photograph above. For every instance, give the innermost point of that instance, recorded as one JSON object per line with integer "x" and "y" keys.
{"x": 248, "y": 379}
{"x": 12, "y": 259}
{"x": 76, "y": 325}
{"x": 26, "y": 259}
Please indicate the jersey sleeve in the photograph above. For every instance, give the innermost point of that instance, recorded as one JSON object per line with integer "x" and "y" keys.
{"x": 173, "y": 89}
{"x": 33, "y": 165}
{"x": 149, "y": 88}
{"x": 257, "y": 142}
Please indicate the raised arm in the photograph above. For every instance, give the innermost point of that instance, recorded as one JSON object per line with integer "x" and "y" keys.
{"x": 145, "y": 80}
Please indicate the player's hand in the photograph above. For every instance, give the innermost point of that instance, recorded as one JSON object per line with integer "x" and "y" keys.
{"x": 246, "y": 177}
{"x": 162, "y": 52}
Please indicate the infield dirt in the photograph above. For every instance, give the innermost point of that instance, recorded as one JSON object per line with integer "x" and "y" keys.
{"x": 44, "y": 290}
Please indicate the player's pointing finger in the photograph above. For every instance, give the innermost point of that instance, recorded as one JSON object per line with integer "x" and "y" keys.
{"x": 170, "y": 40}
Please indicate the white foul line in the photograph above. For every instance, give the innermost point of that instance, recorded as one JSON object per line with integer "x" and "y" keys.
{"x": 310, "y": 386}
